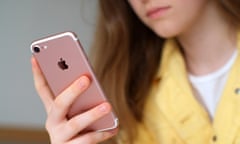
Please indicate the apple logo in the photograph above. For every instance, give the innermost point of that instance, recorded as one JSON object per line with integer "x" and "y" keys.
{"x": 62, "y": 64}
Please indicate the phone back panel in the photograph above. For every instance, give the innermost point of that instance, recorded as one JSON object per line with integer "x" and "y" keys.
{"x": 62, "y": 60}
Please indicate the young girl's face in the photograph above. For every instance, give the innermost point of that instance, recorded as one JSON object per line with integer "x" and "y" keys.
{"x": 169, "y": 18}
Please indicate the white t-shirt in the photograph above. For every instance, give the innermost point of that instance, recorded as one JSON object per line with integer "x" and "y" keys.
{"x": 208, "y": 88}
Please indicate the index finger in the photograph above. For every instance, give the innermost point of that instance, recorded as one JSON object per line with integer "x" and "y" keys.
{"x": 41, "y": 85}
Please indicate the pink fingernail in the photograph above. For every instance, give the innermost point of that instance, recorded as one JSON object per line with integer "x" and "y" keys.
{"x": 82, "y": 83}
{"x": 103, "y": 108}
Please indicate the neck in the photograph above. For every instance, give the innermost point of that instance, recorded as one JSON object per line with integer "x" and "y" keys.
{"x": 208, "y": 43}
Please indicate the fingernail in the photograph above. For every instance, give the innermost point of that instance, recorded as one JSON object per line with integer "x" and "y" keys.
{"x": 103, "y": 108}
{"x": 83, "y": 82}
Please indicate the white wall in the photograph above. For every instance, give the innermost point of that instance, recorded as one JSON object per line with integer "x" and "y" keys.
{"x": 21, "y": 22}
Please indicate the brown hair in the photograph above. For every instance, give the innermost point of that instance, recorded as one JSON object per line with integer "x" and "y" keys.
{"x": 231, "y": 10}
{"x": 126, "y": 56}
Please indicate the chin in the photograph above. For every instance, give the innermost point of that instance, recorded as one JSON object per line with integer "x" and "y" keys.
{"x": 166, "y": 34}
{"x": 167, "y": 31}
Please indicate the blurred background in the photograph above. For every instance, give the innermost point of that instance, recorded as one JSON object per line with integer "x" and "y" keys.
{"x": 22, "y": 114}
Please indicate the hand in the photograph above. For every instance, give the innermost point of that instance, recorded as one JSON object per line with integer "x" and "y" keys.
{"x": 69, "y": 131}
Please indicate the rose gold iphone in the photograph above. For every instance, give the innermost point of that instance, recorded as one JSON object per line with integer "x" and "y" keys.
{"x": 62, "y": 60}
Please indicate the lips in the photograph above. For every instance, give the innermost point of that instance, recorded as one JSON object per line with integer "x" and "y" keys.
{"x": 157, "y": 12}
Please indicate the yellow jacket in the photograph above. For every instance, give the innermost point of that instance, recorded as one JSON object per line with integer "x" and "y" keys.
{"x": 173, "y": 116}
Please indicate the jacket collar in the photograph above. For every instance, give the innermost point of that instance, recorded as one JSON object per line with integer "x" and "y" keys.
{"x": 175, "y": 99}
{"x": 229, "y": 105}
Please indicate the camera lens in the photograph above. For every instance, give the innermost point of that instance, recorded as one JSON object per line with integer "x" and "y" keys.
{"x": 36, "y": 49}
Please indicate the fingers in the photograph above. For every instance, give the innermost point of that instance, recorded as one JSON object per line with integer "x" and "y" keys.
{"x": 66, "y": 130}
{"x": 93, "y": 138}
{"x": 61, "y": 129}
{"x": 41, "y": 85}
{"x": 82, "y": 121}
{"x": 60, "y": 105}
{"x": 64, "y": 101}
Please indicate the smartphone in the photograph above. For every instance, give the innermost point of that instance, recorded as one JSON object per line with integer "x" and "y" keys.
{"x": 62, "y": 60}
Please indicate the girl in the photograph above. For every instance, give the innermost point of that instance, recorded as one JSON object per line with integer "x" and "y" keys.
{"x": 171, "y": 71}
